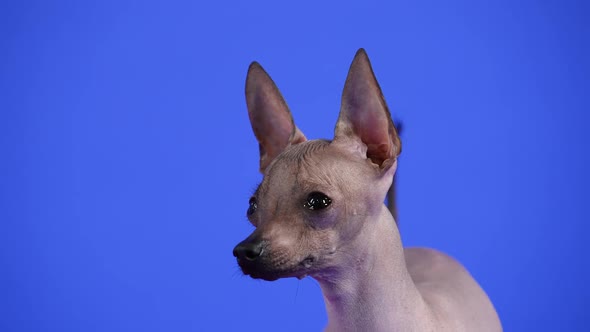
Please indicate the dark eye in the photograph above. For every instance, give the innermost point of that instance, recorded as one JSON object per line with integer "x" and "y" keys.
{"x": 252, "y": 206}
{"x": 317, "y": 201}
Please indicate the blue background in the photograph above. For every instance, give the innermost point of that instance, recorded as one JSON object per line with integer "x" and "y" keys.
{"x": 127, "y": 158}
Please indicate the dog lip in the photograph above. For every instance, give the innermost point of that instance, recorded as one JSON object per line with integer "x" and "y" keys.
{"x": 273, "y": 278}
{"x": 263, "y": 276}
{"x": 261, "y": 269}
{"x": 259, "y": 272}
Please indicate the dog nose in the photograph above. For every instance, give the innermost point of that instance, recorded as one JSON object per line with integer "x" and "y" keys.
{"x": 249, "y": 250}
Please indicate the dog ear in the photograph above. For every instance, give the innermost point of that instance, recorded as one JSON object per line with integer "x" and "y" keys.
{"x": 270, "y": 117}
{"x": 364, "y": 115}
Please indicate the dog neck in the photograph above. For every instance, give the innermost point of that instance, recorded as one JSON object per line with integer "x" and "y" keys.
{"x": 373, "y": 291}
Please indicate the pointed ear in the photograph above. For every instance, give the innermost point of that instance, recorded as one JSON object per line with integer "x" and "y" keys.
{"x": 271, "y": 120}
{"x": 364, "y": 115}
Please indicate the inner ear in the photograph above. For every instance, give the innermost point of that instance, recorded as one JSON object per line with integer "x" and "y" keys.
{"x": 364, "y": 114}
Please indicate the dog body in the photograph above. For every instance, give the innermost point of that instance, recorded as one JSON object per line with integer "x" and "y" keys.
{"x": 319, "y": 212}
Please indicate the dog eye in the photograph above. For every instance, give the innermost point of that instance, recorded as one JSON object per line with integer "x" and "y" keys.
{"x": 253, "y": 205}
{"x": 317, "y": 201}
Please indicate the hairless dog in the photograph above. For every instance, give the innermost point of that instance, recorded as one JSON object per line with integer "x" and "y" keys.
{"x": 320, "y": 212}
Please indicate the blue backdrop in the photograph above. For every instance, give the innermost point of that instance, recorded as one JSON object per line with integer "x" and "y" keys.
{"x": 127, "y": 158}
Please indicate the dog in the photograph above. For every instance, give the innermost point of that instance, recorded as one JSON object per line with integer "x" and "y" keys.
{"x": 320, "y": 212}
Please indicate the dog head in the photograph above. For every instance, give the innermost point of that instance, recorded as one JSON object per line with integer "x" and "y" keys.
{"x": 316, "y": 195}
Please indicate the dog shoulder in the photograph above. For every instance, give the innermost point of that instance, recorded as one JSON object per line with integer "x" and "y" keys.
{"x": 450, "y": 290}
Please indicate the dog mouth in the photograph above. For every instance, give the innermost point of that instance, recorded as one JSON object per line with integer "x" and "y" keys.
{"x": 273, "y": 275}
{"x": 269, "y": 272}
{"x": 307, "y": 264}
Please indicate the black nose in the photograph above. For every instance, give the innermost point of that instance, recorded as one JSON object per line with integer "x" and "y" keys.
{"x": 249, "y": 250}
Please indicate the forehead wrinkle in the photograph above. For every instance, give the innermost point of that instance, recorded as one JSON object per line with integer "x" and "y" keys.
{"x": 316, "y": 174}
{"x": 293, "y": 165}
{"x": 302, "y": 151}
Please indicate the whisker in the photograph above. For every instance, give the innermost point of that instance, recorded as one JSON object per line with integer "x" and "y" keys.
{"x": 296, "y": 291}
